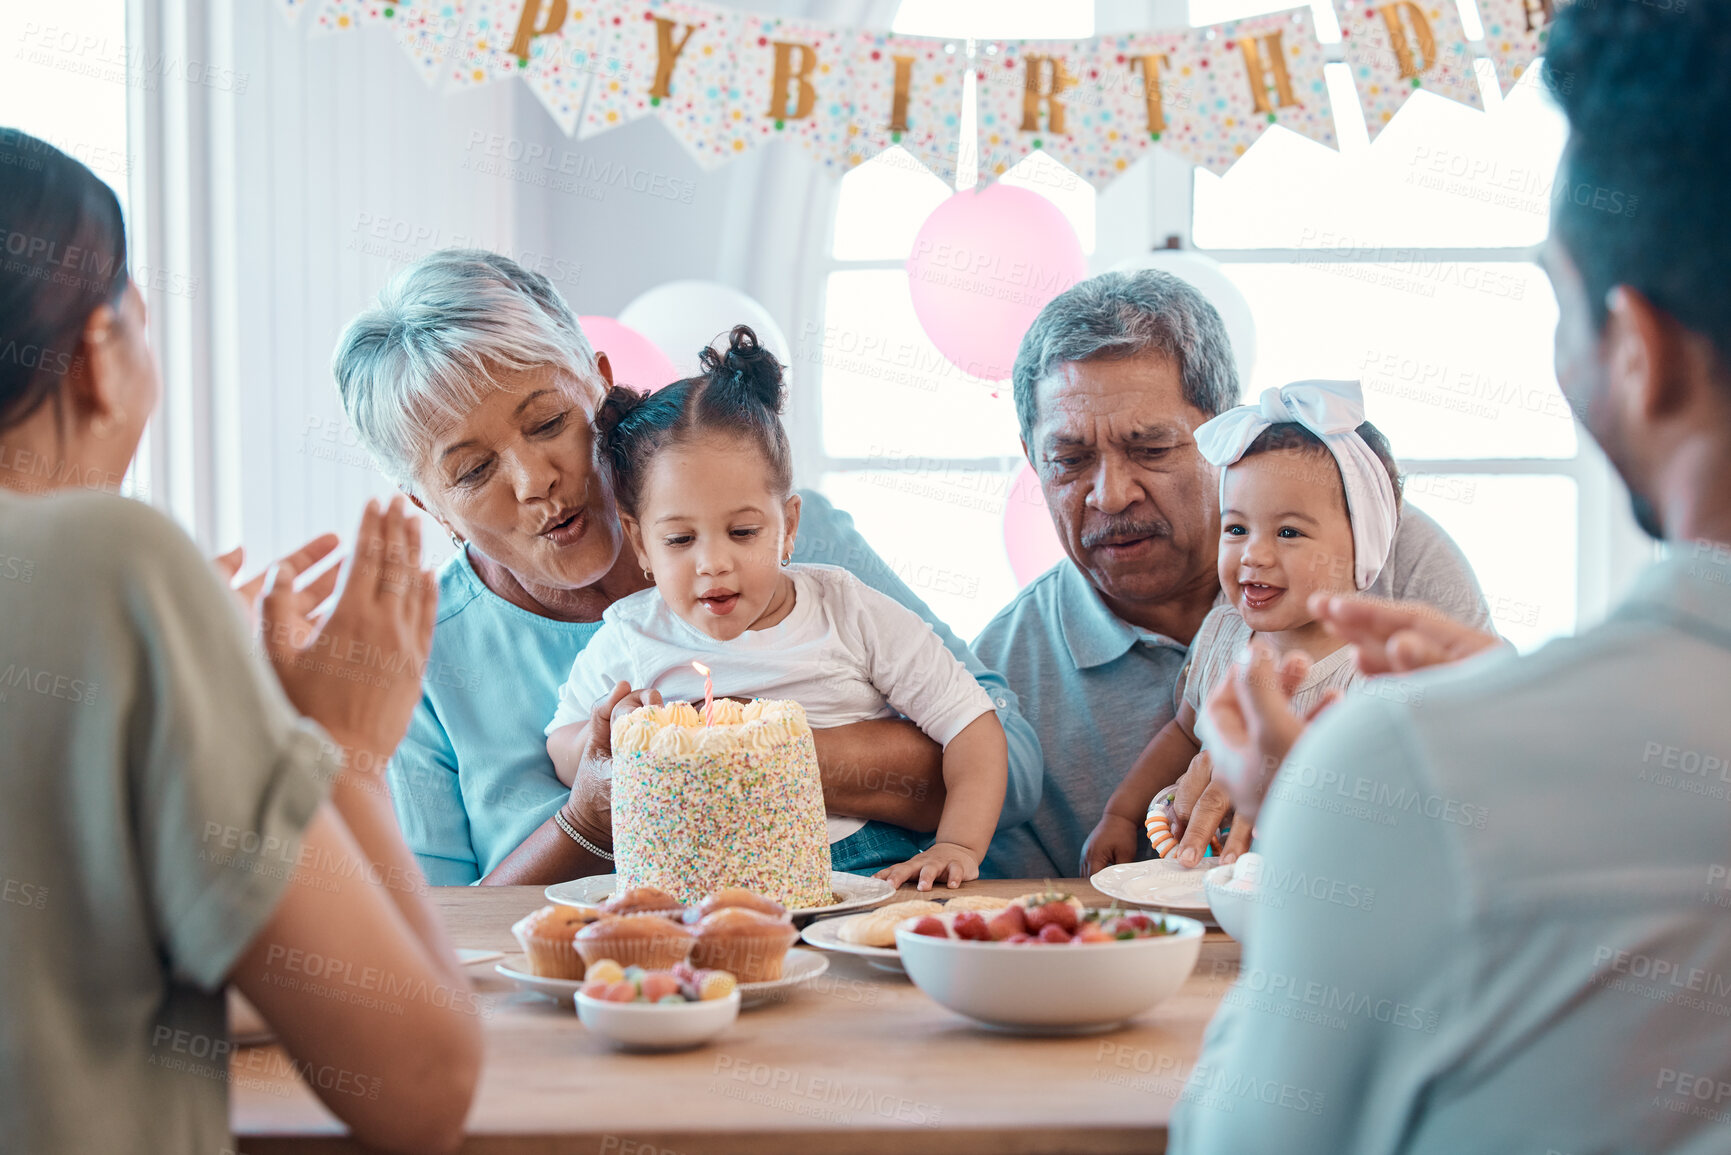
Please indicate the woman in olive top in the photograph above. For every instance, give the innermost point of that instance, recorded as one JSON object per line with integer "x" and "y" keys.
{"x": 171, "y": 818}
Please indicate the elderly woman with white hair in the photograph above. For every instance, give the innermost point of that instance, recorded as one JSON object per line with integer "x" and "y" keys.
{"x": 474, "y": 388}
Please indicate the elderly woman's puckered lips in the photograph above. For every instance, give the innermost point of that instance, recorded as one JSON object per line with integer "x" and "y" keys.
{"x": 565, "y": 527}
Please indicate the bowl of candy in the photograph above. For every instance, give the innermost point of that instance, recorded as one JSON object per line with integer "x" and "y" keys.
{"x": 1048, "y": 965}
{"x": 649, "y": 1010}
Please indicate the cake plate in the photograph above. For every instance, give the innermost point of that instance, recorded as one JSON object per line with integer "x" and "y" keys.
{"x": 851, "y": 892}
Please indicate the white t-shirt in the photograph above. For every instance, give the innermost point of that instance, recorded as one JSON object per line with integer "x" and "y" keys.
{"x": 845, "y": 652}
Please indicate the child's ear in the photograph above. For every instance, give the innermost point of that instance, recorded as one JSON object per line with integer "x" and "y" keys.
{"x": 790, "y": 513}
{"x": 634, "y": 536}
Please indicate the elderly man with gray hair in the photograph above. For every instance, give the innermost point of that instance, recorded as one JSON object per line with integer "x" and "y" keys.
{"x": 1111, "y": 382}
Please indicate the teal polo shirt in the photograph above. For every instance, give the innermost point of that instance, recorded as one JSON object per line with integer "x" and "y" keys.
{"x": 1097, "y": 689}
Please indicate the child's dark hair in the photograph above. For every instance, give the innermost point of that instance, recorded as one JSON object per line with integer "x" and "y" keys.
{"x": 740, "y": 393}
{"x": 1292, "y": 435}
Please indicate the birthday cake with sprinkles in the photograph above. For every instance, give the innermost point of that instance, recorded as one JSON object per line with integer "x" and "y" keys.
{"x": 734, "y": 802}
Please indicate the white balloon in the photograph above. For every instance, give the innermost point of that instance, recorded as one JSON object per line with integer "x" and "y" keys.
{"x": 681, "y": 317}
{"x": 1205, "y": 275}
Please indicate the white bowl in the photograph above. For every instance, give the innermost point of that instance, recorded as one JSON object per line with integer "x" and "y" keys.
{"x": 1233, "y": 907}
{"x": 658, "y": 1026}
{"x": 1051, "y": 988}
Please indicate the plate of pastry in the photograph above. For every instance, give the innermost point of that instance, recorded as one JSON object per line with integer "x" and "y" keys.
{"x": 850, "y": 891}
{"x": 872, "y": 935}
{"x": 1159, "y": 882}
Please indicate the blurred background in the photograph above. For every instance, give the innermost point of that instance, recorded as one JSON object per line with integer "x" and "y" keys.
{"x": 275, "y": 178}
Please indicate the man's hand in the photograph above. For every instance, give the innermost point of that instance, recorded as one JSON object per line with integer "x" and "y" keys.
{"x": 590, "y": 807}
{"x": 1255, "y": 725}
{"x": 1398, "y": 637}
{"x": 1199, "y": 807}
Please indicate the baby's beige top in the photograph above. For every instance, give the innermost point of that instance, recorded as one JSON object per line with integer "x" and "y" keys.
{"x": 154, "y": 785}
{"x": 1224, "y": 633}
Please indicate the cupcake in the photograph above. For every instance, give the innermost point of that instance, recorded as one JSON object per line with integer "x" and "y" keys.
{"x": 649, "y": 941}
{"x": 548, "y": 938}
{"x": 734, "y": 896}
{"x": 643, "y": 900}
{"x": 747, "y": 942}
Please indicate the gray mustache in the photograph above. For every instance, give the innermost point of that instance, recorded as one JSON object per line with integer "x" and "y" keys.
{"x": 1128, "y": 528}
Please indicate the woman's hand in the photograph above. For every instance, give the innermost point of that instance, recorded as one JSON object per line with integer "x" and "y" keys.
{"x": 302, "y": 559}
{"x": 590, "y": 807}
{"x": 945, "y": 860}
{"x": 358, "y": 672}
{"x": 1398, "y": 637}
{"x": 1115, "y": 839}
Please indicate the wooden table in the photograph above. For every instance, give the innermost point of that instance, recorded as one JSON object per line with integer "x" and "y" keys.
{"x": 859, "y": 1061}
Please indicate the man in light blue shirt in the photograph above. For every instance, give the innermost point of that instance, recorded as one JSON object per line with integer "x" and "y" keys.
{"x": 1545, "y": 964}
{"x": 1111, "y": 381}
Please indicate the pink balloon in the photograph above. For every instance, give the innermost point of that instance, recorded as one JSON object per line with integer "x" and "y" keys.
{"x": 1029, "y": 536}
{"x": 635, "y": 358}
{"x": 983, "y": 266}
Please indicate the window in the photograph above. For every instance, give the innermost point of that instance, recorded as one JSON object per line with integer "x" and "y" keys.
{"x": 1408, "y": 264}
{"x": 922, "y": 455}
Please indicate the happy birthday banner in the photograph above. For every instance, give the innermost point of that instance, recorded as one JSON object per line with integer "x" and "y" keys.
{"x": 724, "y": 81}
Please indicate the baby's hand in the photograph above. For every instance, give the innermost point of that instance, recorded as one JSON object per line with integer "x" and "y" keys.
{"x": 1115, "y": 839}
{"x": 949, "y": 860}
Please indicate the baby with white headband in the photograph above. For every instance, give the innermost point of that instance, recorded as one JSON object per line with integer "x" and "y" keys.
{"x": 1309, "y": 501}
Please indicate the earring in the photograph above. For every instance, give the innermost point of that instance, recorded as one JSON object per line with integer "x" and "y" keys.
{"x": 647, "y": 576}
{"x": 787, "y": 561}
{"x": 455, "y": 540}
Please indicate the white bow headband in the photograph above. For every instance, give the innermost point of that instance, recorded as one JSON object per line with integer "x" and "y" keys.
{"x": 1333, "y": 410}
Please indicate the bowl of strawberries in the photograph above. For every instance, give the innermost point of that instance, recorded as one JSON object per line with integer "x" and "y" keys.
{"x": 1048, "y": 965}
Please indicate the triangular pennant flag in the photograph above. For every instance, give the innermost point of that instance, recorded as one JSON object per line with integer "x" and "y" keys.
{"x": 1242, "y": 77}
{"x": 490, "y": 30}
{"x": 704, "y": 110}
{"x": 1397, "y": 47}
{"x": 1086, "y": 103}
{"x": 1515, "y": 32}
{"x": 431, "y": 33}
{"x": 641, "y": 57}
{"x": 561, "y": 64}
{"x": 907, "y": 90}
{"x": 791, "y": 83}
{"x": 342, "y": 15}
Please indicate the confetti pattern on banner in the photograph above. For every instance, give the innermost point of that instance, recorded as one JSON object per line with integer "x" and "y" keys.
{"x": 560, "y": 65}
{"x": 1108, "y": 123}
{"x": 431, "y": 33}
{"x": 1515, "y": 32}
{"x": 933, "y": 122}
{"x": 704, "y": 110}
{"x": 826, "y": 68}
{"x": 342, "y": 15}
{"x": 484, "y": 53}
{"x": 1431, "y": 53}
{"x": 292, "y": 8}
{"x": 1226, "y": 110}
{"x": 626, "y": 58}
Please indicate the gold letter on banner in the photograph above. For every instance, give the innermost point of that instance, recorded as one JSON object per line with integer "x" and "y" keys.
{"x": 1540, "y": 13}
{"x": 667, "y": 52}
{"x": 1261, "y": 74}
{"x": 1033, "y": 92}
{"x": 527, "y": 28}
{"x": 899, "y": 105}
{"x": 1151, "y": 64}
{"x": 1397, "y": 38}
{"x": 785, "y": 73}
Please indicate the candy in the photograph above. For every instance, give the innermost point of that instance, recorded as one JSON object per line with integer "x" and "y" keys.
{"x": 715, "y": 985}
{"x": 604, "y": 970}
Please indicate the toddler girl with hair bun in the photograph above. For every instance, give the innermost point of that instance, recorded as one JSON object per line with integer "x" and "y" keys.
{"x": 1309, "y": 502}
{"x": 703, "y": 475}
